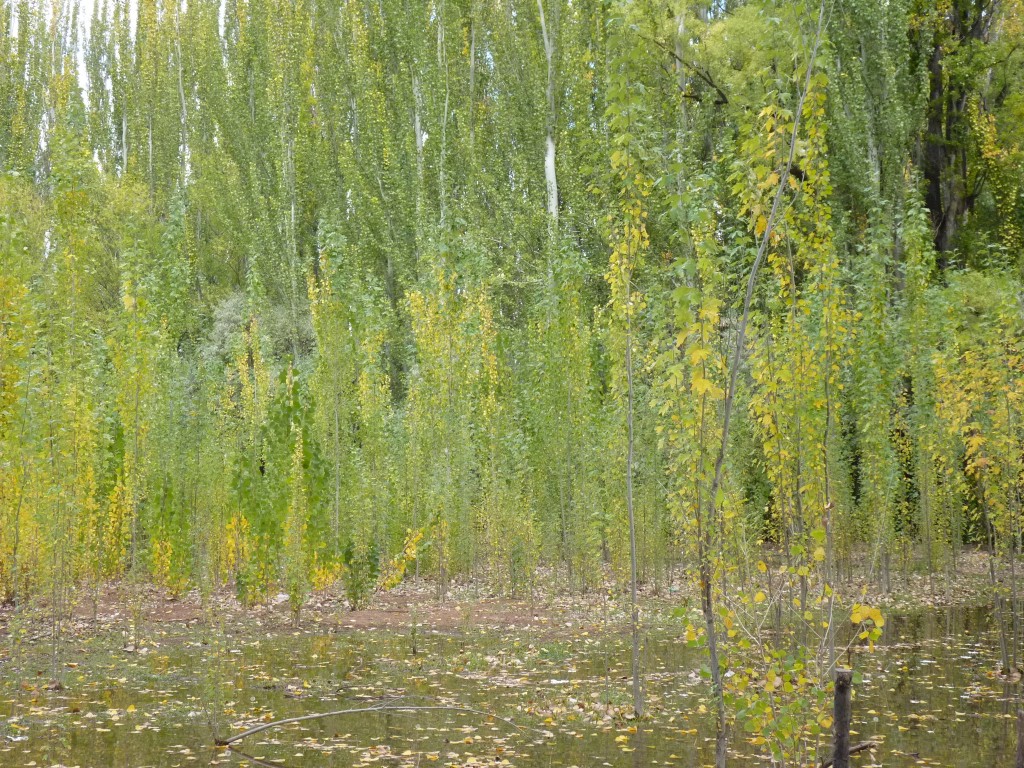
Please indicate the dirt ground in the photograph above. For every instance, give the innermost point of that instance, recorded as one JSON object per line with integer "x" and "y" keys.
{"x": 466, "y": 606}
{"x": 549, "y": 609}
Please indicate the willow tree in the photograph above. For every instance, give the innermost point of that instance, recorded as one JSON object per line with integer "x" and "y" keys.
{"x": 629, "y": 243}
{"x": 22, "y": 228}
{"x": 979, "y": 373}
{"x": 443, "y": 414}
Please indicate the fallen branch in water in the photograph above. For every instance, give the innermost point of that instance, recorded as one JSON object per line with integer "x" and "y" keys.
{"x": 853, "y": 750}
{"x": 384, "y": 707}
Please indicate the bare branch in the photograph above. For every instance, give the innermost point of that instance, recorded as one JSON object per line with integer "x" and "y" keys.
{"x": 694, "y": 67}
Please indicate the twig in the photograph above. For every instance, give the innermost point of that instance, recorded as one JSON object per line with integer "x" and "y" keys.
{"x": 386, "y": 707}
{"x": 853, "y": 750}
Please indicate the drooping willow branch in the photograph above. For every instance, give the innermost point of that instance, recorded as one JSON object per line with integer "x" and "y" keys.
{"x": 756, "y": 268}
{"x": 703, "y": 531}
{"x": 384, "y": 707}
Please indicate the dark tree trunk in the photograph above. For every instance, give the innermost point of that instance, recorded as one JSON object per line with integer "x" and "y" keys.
{"x": 944, "y": 158}
{"x": 841, "y": 718}
{"x": 935, "y": 150}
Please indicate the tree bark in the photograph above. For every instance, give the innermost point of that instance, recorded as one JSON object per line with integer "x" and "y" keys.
{"x": 1019, "y": 762}
{"x": 944, "y": 156}
{"x": 638, "y": 694}
{"x": 841, "y": 718}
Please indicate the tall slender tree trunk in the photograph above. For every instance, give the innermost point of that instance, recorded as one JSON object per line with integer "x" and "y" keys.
{"x": 336, "y": 512}
{"x": 181, "y": 96}
{"x": 472, "y": 80}
{"x": 638, "y": 694}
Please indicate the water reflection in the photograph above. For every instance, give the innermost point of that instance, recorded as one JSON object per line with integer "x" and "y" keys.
{"x": 929, "y": 695}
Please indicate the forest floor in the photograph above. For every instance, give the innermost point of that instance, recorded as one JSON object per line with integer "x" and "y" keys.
{"x": 549, "y": 610}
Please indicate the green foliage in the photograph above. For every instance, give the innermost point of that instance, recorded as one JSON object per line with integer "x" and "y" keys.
{"x": 362, "y": 570}
{"x": 288, "y": 287}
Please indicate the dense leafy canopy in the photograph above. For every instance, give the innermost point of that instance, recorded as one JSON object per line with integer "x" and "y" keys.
{"x": 296, "y": 291}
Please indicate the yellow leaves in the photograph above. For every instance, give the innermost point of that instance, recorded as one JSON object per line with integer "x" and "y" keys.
{"x": 701, "y": 385}
{"x": 759, "y": 597}
{"x": 819, "y": 554}
{"x": 393, "y": 574}
{"x": 629, "y": 236}
{"x": 863, "y": 613}
{"x": 870, "y": 619}
{"x": 760, "y": 225}
{"x": 710, "y": 310}
{"x": 323, "y": 575}
{"x": 699, "y": 355}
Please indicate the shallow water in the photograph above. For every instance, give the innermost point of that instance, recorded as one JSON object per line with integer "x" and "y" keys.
{"x": 928, "y": 694}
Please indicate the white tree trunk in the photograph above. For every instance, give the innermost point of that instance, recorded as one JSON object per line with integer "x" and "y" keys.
{"x": 551, "y": 177}
{"x": 550, "y": 174}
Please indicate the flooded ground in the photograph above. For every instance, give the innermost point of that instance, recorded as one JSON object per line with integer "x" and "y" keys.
{"x": 929, "y": 696}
